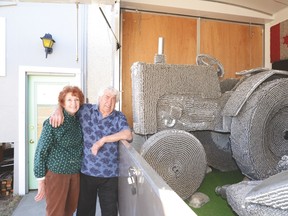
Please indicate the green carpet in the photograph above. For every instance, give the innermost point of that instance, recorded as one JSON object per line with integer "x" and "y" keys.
{"x": 217, "y": 206}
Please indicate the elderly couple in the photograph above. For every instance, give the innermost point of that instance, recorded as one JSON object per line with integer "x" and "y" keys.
{"x": 81, "y": 138}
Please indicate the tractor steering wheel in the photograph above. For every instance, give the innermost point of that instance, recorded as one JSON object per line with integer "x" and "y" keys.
{"x": 207, "y": 60}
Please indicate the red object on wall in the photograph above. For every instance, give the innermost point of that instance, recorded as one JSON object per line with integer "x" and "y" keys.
{"x": 279, "y": 42}
{"x": 275, "y": 43}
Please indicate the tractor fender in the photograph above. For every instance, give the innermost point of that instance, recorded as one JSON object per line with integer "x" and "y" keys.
{"x": 245, "y": 89}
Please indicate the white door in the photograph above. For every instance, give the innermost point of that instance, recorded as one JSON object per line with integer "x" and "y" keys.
{"x": 43, "y": 99}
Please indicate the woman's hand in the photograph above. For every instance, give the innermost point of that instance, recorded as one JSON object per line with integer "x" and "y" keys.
{"x": 41, "y": 190}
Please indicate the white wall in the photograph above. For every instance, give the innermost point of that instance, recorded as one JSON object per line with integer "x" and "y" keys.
{"x": 102, "y": 53}
{"x": 25, "y": 24}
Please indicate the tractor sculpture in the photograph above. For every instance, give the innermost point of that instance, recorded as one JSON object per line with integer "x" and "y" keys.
{"x": 187, "y": 118}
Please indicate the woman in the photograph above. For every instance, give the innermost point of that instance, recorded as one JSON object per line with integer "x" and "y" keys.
{"x": 58, "y": 157}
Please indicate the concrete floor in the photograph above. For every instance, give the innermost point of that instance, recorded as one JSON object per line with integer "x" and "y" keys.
{"x": 28, "y": 206}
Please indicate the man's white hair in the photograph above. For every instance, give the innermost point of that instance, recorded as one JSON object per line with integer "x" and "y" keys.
{"x": 111, "y": 90}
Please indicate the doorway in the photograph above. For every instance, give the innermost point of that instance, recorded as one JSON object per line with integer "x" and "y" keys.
{"x": 43, "y": 94}
{"x": 38, "y": 97}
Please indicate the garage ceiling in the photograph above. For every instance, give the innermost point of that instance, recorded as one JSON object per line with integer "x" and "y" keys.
{"x": 268, "y": 7}
{"x": 10, "y": 2}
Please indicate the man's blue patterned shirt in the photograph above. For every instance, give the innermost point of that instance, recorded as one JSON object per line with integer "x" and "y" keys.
{"x": 94, "y": 127}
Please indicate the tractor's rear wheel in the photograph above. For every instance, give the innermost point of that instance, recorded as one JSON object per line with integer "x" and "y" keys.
{"x": 179, "y": 158}
{"x": 259, "y": 133}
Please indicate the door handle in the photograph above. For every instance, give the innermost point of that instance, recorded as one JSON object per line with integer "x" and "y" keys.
{"x": 31, "y": 141}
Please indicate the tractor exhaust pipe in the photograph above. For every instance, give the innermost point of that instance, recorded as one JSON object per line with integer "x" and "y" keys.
{"x": 159, "y": 58}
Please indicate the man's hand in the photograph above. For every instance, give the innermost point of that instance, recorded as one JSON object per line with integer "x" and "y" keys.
{"x": 41, "y": 190}
{"x": 121, "y": 135}
{"x": 96, "y": 146}
{"x": 57, "y": 118}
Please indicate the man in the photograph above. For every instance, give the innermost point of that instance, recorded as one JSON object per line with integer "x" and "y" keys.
{"x": 102, "y": 128}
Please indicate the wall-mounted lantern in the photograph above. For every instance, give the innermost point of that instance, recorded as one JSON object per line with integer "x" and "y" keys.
{"x": 48, "y": 43}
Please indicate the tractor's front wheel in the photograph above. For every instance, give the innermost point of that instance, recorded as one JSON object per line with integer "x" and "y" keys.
{"x": 179, "y": 158}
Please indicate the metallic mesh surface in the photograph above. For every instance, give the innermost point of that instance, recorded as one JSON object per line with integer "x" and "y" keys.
{"x": 228, "y": 84}
{"x": 187, "y": 113}
{"x": 272, "y": 192}
{"x": 245, "y": 89}
{"x": 151, "y": 81}
{"x": 179, "y": 158}
{"x": 259, "y": 132}
{"x": 159, "y": 59}
{"x": 218, "y": 150}
{"x": 260, "y": 198}
{"x": 204, "y": 59}
{"x": 236, "y": 196}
